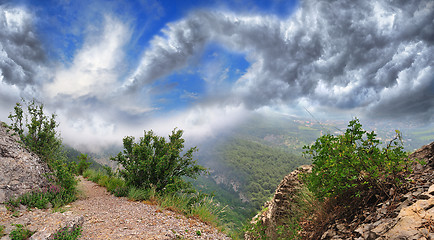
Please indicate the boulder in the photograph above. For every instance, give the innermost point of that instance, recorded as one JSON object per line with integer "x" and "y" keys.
{"x": 21, "y": 171}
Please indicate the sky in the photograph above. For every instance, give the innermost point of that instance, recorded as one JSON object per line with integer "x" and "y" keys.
{"x": 109, "y": 69}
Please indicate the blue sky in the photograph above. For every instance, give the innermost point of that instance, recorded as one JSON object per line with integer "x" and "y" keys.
{"x": 115, "y": 68}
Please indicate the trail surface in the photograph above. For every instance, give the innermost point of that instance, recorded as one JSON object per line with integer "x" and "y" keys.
{"x": 108, "y": 217}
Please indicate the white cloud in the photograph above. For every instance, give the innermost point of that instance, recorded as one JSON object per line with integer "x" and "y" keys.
{"x": 340, "y": 59}
{"x": 356, "y": 56}
{"x": 96, "y": 67}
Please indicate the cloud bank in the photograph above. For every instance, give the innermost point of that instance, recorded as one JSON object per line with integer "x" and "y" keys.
{"x": 372, "y": 57}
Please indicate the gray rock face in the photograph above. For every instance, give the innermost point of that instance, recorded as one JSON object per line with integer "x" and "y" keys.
{"x": 20, "y": 170}
{"x": 278, "y": 208}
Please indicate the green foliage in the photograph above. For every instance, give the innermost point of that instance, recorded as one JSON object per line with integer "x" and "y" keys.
{"x": 254, "y": 167}
{"x": 155, "y": 162}
{"x": 140, "y": 194}
{"x": 2, "y": 228}
{"x": 55, "y": 195}
{"x": 108, "y": 170}
{"x": 68, "y": 233}
{"x": 114, "y": 184}
{"x": 36, "y": 130}
{"x": 83, "y": 163}
{"x": 355, "y": 161}
{"x": 63, "y": 176}
{"x": 20, "y": 233}
{"x": 72, "y": 156}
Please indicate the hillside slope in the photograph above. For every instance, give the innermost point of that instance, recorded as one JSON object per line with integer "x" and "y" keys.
{"x": 408, "y": 216}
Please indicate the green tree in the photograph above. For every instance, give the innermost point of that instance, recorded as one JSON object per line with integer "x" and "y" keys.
{"x": 154, "y": 162}
{"x": 355, "y": 163}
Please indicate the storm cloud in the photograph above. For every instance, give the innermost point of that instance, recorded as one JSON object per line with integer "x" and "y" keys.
{"x": 375, "y": 58}
{"x": 21, "y": 52}
{"x": 371, "y": 55}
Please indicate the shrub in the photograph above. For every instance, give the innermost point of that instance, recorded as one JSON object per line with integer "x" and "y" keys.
{"x": 53, "y": 194}
{"x": 155, "y": 162}
{"x": 36, "y": 130}
{"x": 121, "y": 191}
{"x": 68, "y": 233}
{"x": 83, "y": 163}
{"x": 354, "y": 162}
{"x": 20, "y": 233}
{"x": 2, "y": 228}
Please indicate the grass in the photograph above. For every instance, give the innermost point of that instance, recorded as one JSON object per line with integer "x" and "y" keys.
{"x": 54, "y": 195}
{"x": 20, "y": 233}
{"x": 300, "y": 210}
{"x": 2, "y": 229}
{"x": 68, "y": 233}
{"x": 190, "y": 205}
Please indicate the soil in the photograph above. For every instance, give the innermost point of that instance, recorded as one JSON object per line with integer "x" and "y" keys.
{"x": 109, "y": 217}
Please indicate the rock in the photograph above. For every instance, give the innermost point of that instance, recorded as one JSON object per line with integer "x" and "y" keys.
{"x": 427, "y": 153}
{"x": 68, "y": 223}
{"x": 277, "y": 209}
{"x": 21, "y": 171}
{"x": 341, "y": 227}
{"x": 328, "y": 234}
{"x": 431, "y": 190}
{"x": 411, "y": 219}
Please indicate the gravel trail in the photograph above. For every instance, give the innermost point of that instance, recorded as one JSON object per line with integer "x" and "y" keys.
{"x": 109, "y": 217}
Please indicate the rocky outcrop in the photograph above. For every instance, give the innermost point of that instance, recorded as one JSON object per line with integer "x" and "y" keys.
{"x": 20, "y": 170}
{"x": 276, "y": 210}
{"x": 427, "y": 153}
{"x": 409, "y": 215}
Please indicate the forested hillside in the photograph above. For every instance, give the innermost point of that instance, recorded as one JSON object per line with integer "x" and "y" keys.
{"x": 247, "y": 164}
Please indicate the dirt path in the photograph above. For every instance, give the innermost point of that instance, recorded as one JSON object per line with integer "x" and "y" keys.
{"x": 109, "y": 217}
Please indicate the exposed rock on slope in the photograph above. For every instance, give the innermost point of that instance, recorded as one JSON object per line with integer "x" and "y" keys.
{"x": 278, "y": 208}
{"x": 426, "y": 152}
{"x": 20, "y": 170}
{"x": 408, "y": 216}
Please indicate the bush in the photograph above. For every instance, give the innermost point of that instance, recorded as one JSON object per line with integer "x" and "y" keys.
{"x": 20, "y": 233}
{"x": 2, "y": 228}
{"x": 153, "y": 162}
{"x": 83, "y": 163}
{"x": 53, "y": 194}
{"x": 68, "y": 233}
{"x": 354, "y": 162}
{"x": 36, "y": 130}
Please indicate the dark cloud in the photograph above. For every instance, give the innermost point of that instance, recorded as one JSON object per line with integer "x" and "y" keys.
{"x": 375, "y": 55}
{"x": 21, "y": 53}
